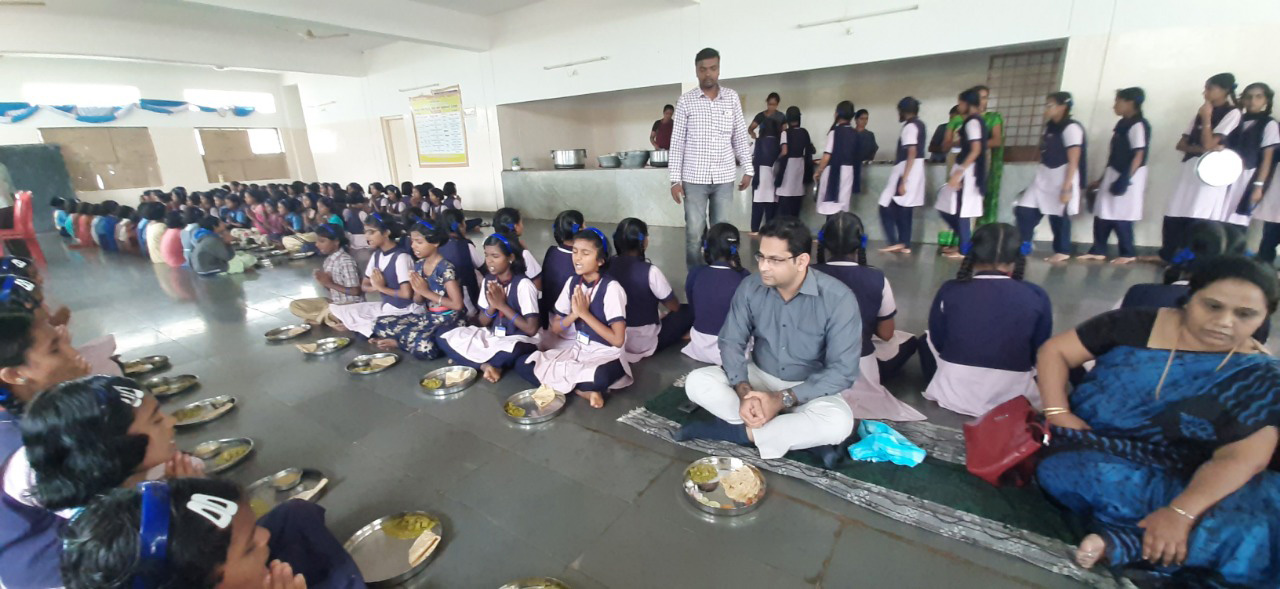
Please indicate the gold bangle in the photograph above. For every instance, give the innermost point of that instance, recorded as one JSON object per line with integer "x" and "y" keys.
{"x": 1056, "y": 411}
{"x": 1181, "y": 512}
{"x": 1048, "y": 409}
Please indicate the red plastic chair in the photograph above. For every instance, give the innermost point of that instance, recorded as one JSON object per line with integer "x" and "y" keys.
{"x": 24, "y": 227}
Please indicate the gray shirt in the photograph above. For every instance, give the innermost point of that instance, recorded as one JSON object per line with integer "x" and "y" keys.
{"x": 815, "y": 338}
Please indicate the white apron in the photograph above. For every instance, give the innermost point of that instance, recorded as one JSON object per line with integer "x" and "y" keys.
{"x": 702, "y": 347}
{"x": 1045, "y": 192}
{"x": 970, "y": 201}
{"x": 1193, "y": 198}
{"x": 843, "y": 196}
{"x": 1126, "y": 207}
{"x": 792, "y": 178}
{"x": 972, "y": 390}
{"x": 765, "y": 192}
{"x": 1237, "y": 191}
{"x": 642, "y": 342}
{"x": 479, "y": 344}
{"x": 564, "y": 368}
{"x": 360, "y": 317}
{"x": 870, "y": 400}
{"x": 913, "y": 195}
{"x": 1269, "y": 209}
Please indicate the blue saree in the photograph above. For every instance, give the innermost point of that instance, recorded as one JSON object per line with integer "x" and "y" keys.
{"x": 1142, "y": 452}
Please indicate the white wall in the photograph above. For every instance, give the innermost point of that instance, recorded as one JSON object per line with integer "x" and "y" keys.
{"x": 172, "y": 135}
{"x": 346, "y": 136}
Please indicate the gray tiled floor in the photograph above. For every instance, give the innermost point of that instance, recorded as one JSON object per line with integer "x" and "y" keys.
{"x": 582, "y": 497}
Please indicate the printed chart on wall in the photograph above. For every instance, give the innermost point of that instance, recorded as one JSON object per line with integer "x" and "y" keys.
{"x": 440, "y": 130}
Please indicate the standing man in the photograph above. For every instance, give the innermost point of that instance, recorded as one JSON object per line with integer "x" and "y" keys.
{"x": 660, "y": 136}
{"x": 708, "y": 135}
{"x": 867, "y": 147}
{"x": 807, "y": 341}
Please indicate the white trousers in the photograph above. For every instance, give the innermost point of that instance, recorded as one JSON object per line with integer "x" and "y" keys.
{"x": 822, "y": 421}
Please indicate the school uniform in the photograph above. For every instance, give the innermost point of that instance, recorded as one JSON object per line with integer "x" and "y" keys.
{"x": 352, "y": 221}
{"x": 155, "y": 240}
{"x": 895, "y": 209}
{"x": 126, "y": 236}
{"x": 709, "y": 290}
{"x": 1256, "y": 135}
{"x": 188, "y": 239}
{"x": 792, "y": 183}
{"x": 647, "y": 289}
{"x": 418, "y": 332}
{"x": 395, "y": 265}
{"x": 835, "y": 187}
{"x": 980, "y": 350}
{"x": 300, "y": 538}
{"x": 94, "y": 223}
{"x": 293, "y": 221}
{"x": 459, "y": 253}
{"x": 1120, "y": 195}
{"x": 84, "y": 231}
{"x": 501, "y": 343}
{"x": 142, "y": 238}
{"x": 867, "y": 397}
{"x": 958, "y": 206}
{"x": 764, "y": 199}
{"x": 557, "y": 269}
{"x": 590, "y": 363}
{"x": 1044, "y": 195}
{"x": 30, "y": 546}
{"x": 1192, "y": 199}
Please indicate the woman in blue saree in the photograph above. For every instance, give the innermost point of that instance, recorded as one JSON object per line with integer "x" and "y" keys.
{"x": 1164, "y": 447}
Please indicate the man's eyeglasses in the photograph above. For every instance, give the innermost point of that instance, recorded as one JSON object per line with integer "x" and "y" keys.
{"x": 762, "y": 259}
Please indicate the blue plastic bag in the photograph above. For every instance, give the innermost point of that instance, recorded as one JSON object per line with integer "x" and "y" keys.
{"x": 880, "y": 443}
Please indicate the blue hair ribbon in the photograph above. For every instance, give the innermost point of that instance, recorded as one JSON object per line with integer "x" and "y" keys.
{"x": 506, "y": 244}
{"x": 1184, "y": 256}
{"x": 1026, "y": 248}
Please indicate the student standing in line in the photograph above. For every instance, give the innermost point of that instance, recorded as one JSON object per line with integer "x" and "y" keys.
{"x": 769, "y": 123}
{"x": 709, "y": 290}
{"x": 647, "y": 291}
{"x": 836, "y": 170}
{"x": 905, "y": 189}
{"x": 960, "y": 200}
{"x": 1060, "y": 177}
{"x": 1124, "y": 182}
{"x": 1255, "y": 140}
{"x": 1193, "y": 199}
{"x": 792, "y": 183}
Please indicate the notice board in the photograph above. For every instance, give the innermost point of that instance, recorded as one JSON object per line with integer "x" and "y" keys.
{"x": 439, "y": 128}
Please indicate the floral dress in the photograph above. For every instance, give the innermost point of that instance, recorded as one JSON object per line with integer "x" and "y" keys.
{"x": 416, "y": 333}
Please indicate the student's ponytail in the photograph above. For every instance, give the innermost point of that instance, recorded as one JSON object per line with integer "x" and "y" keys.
{"x": 506, "y": 219}
{"x": 966, "y": 267}
{"x": 567, "y": 224}
{"x": 1226, "y": 81}
{"x": 629, "y": 237}
{"x": 456, "y": 224}
{"x": 720, "y": 244}
{"x": 995, "y": 244}
{"x": 843, "y": 236}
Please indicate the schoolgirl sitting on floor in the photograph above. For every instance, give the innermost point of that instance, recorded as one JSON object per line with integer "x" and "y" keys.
{"x": 387, "y": 274}
{"x": 842, "y": 254}
{"x": 508, "y": 319}
{"x": 507, "y": 222}
{"x": 594, "y": 305}
{"x": 647, "y": 290}
{"x": 557, "y": 263}
{"x": 464, "y": 256}
{"x": 338, "y": 275}
{"x": 435, "y": 285}
{"x": 710, "y": 288}
{"x": 985, "y": 327}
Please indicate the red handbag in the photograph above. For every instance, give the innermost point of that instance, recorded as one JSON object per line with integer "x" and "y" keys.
{"x": 1000, "y": 447}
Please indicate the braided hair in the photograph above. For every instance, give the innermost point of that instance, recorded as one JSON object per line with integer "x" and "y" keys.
{"x": 843, "y": 236}
{"x": 720, "y": 244}
{"x": 629, "y": 237}
{"x": 994, "y": 245}
{"x": 566, "y": 225}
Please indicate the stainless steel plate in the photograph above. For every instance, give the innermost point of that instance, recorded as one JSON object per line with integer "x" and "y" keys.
{"x": 326, "y": 345}
{"x": 1219, "y": 168}
{"x": 164, "y": 387}
{"x": 711, "y": 497}
{"x": 382, "y": 551}
{"x": 204, "y": 411}
{"x": 144, "y": 365}
{"x": 220, "y": 455}
{"x": 363, "y": 365}
{"x": 441, "y": 375}
{"x": 278, "y": 253}
{"x": 301, "y": 255}
{"x": 536, "y": 583}
{"x": 264, "y": 496}
{"x": 521, "y": 409}
{"x": 288, "y": 332}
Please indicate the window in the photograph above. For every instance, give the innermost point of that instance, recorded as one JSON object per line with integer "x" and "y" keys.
{"x": 80, "y": 94}
{"x": 263, "y": 102}
{"x": 1019, "y": 83}
{"x": 242, "y": 154}
{"x": 106, "y": 158}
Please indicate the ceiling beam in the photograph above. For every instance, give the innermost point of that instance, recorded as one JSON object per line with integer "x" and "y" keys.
{"x": 395, "y": 19}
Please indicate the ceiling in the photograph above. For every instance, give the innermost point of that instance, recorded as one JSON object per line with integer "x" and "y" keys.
{"x": 480, "y": 7}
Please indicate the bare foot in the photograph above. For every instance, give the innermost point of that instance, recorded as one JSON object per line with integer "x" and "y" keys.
{"x": 594, "y": 398}
{"x": 491, "y": 374}
{"x": 1057, "y": 258}
{"x": 1122, "y": 261}
{"x": 950, "y": 249}
{"x": 1090, "y": 551}
{"x": 893, "y": 248}
{"x": 1151, "y": 259}
{"x": 905, "y": 250}
{"x": 953, "y": 256}
{"x": 385, "y": 345}
{"x": 1091, "y": 257}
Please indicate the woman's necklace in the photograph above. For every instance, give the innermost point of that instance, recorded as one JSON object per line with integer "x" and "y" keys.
{"x": 1173, "y": 351}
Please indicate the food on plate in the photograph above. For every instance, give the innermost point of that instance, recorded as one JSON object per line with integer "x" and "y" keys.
{"x": 231, "y": 455}
{"x": 432, "y": 383}
{"x": 287, "y": 480}
{"x": 513, "y": 410}
{"x": 296, "y": 331}
{"x": 382, "y": 362}
{"x": 259, "y": 507}
{"x": 308, "y": 348}
{"x": 161, "y": 388}
{"x": 189, "y": 413}
{"x": 455, "y": 377}
{"x": 703, "y": 473}
{"x": 741, "y": 485}
{"x": 136, "y": 368}
{"x": 408, "y": 526}
{"x": 543, "y": 396}
{"x": 423, "y": 547}
{"x": 366, "y": 369}
{"x": 206, "y": 450}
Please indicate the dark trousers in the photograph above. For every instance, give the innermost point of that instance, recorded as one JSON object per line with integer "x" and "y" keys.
{"x": 1102, "y": 229}
{"x": 1270, "y": 240}
{"x": 897, "y": 223}
{"x": 928, "y": 364}
{"x": 1028, "y": 218}
{"x": 761, "y": 212}
{"x": 500, "y": 360}
{"x": 300, "y": 538}
{"x": 1173, "y": 235}
{"x": 674, "y": 327}
{"x": 472, "y": 224}
{"x": 962, "y": 226}
{"x": 605, "y": 375}
{"x": 893, "y": 365}
{"x": 789, "y": 206}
